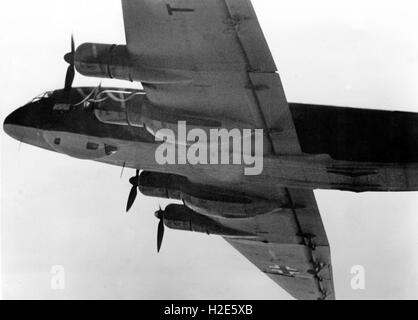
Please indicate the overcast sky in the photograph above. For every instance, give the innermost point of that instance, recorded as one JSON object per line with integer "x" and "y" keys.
{"x": 57, "y": 210}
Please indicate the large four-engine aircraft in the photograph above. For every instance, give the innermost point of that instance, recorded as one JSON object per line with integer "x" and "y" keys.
{"x": 207, "y": 63}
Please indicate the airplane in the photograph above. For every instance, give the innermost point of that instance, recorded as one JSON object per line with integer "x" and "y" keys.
{"x": 207, "y": 63}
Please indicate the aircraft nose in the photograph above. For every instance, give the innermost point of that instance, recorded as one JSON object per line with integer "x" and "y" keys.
{"x": 12, "y": 121}
{"x": 24, "y": 125}
{"x": 22, "y": 122}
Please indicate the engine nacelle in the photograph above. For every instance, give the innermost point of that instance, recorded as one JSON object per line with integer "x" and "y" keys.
{"x": 115, "y": 62}
{"x": 180, "y": 217}
{"x": 212, "y": 202}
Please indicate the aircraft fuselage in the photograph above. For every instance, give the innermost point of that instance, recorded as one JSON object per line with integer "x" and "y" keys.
{"x": 343, "y": 148}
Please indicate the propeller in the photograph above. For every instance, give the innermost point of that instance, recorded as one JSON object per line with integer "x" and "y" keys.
{"x": 134, "y": 181}
{"x": 160, "y": 234}
{"x": 69, "y": 58}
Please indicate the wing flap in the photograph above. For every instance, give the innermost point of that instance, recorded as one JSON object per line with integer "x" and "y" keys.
{"x": 276, "y": 113}
{"x": 244, "y": 22}
{"x": 305, "y": 208}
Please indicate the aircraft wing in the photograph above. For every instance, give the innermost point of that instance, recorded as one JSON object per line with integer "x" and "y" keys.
{"x": 292, "y": 247}
{"x": 217, "y": 47}
{"x": 219, "y": 66}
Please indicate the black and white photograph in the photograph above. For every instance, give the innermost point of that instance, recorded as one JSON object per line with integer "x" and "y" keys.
{"x": 202, "y": 150}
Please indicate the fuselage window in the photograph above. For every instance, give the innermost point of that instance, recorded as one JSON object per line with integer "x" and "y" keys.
{"x": 92, "y": 146}
{"x": 109, "y": 150}
{"x": 57, "y": 141}
{"x": 62, "y": 107}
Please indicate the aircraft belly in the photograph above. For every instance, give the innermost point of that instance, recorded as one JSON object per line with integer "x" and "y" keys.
{"x": 279, "y": 172}
{"x": 297, "y": 172}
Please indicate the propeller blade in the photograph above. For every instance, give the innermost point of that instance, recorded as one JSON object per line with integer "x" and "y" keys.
{"x": 123, "y": 169}
{"x": 160, "y": 234}
{"x": 132, "y": 197}
{"x": 69, "y": 58}
{"x": 69, "y": 78}
{"x": 72, "y": 44}
{"x": 134, "y": 181}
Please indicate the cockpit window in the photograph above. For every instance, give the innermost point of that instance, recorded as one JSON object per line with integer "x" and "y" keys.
{"x": 44, "y": 95}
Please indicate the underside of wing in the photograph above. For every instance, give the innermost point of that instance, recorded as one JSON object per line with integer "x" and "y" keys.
{"x": 197, "y": 35}
{"x": 292, "y": 248}
{"x": 217, "y": 49}
{"x": 285, "y": 237}
{"x": 213, "y": 63}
